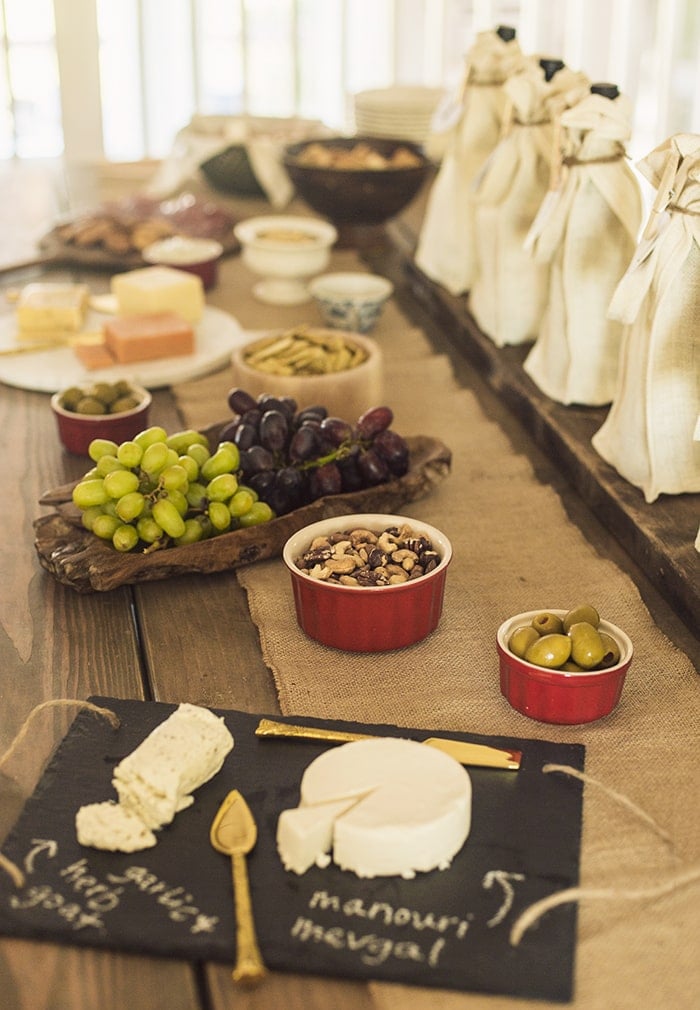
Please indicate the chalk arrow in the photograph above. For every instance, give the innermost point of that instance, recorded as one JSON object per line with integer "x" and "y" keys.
{"x": 40, "y": 845}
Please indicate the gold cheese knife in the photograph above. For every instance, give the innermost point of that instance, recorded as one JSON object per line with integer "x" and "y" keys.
{"x": 476, "y": 754}
{"x": 234, "y": 833}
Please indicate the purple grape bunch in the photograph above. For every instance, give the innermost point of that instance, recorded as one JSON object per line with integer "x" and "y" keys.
{"x": 291, "y": 457}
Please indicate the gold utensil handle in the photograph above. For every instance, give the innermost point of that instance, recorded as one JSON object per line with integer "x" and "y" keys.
{"x": 267, "y": 727}
{"x": 249, "y": 968}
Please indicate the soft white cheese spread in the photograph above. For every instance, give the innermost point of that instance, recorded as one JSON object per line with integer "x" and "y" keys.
{"x": 396, "y": 807}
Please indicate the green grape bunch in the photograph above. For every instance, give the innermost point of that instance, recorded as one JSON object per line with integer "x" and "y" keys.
{"x": 158, "y": 490}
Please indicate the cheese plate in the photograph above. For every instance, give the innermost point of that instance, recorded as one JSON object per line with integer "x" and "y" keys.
{"x": 448, "y": 928}
{"x": 47, "y": 371}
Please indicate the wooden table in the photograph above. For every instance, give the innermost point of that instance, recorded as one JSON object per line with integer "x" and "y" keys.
{"x": 55, "y": 643}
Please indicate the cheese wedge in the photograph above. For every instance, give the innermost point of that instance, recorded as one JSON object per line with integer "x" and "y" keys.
{"x": 46, "y": 307}
{"x": 112, "y": 827}
{"x": 148, "y": 337}
{"x": 159, "y": 289}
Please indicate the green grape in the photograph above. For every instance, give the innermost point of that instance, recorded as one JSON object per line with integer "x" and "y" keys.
{"x": 130, "y": 506}
{"x": 125, "y": 538}
{"x": 180, "y": 441}
{"x": 196, "y": 495}
{"x": 199, "y": 453}
{"x": 241, "y": 503}
{"x": 172, "y": 458}
{"x": 222, "y": 487}
{"x": 120, "y": 482}
{"x": 174, "y": 478}
{"x": 260, "y": 512}
{"x": 130, "y": 454}
{"x": 219, "y": 515}
{"x": 100, "y": 447}
{"x": 190, "y": 466}
{"x": 168, "y": 518}
{"x": 105, "y": 526}
{"x": 224, "y": 460}
{"x": 193, "y": 532}
{"x": 90, "y": 492}
{"x": 108, "y": 464}
{"x": 151, "y": 436}
{"x": 179, "y": 500}
{"x": 155, "y": 458}
{"x": 148, "y": 529}
{"x": 89, "y": 515}
{"x": 110, "y": 508}
{"x": 251, "y": 491}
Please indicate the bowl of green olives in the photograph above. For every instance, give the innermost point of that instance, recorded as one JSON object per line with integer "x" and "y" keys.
{"x": 114, "y": 410}
{"x": 562, "y": 666}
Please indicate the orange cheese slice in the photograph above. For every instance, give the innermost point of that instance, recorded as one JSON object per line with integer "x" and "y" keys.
{"x": 147, "y": 337}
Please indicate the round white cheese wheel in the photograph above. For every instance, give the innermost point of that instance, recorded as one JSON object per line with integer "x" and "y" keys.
{"x": 411, "y": 808}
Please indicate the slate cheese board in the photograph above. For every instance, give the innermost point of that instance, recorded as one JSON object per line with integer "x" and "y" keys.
{"x": 447, "y": 928}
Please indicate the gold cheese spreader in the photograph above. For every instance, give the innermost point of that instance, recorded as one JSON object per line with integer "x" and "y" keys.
{"x": 234, "y": 833}
{"x": 476, "y": 754}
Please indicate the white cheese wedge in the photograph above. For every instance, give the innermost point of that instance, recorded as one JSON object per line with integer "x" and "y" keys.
{"x": 408, "y": 809}
{"x": 305, "y": 834}
{"x": 112, "y": 827}
{"x": 156, "y": 780}
{"x": 151, "y": 290}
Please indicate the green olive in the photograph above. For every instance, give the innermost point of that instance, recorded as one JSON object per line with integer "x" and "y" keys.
{"x": 611, "y": 656}
{"x": 547, "y": 623}
{"x": 571, "y": 667}
{"x": 90, "y": 405}
{"x": 585, "y": 613}
{"x": 550, "y": 651}
{"x": 122, "y": 404}
{"x": 521, "y": 640}
{"x": 587, "y": 648}
{"x": 71, "y": 397}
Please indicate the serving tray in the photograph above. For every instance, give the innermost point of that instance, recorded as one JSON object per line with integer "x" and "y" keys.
{"x": 447, "y": 928}
{"x": 77, "y": 558}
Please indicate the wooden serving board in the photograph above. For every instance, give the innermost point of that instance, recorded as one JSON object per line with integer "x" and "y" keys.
{"x": 77, "y": 558}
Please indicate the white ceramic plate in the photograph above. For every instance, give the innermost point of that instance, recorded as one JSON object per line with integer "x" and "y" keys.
{"x": 216, "y": 336}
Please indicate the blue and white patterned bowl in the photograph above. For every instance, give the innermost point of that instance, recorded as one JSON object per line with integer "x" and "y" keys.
{"x": 351, "y": 300}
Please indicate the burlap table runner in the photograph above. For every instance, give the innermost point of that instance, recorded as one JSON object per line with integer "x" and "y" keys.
{"x": 514, "y": 550}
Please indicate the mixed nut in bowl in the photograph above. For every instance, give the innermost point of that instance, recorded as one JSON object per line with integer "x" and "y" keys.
{"x": 343, "y": 371}
{"x": 368, "y": 582}
{"x": 560, "y": 666}
{"x": 357, "y": 180}
{"x": 112, "y": 410}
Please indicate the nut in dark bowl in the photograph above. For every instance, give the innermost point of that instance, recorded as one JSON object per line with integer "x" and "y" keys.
{"x": 357, "y": 180}
{"x": 368, "y": 582}
{"x": 115, "y": 411}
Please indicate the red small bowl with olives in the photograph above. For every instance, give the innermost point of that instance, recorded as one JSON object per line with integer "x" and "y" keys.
{"x": 349, "y": 592}
{"x": 562, "y": 666}
{"x": 114, "y": 410}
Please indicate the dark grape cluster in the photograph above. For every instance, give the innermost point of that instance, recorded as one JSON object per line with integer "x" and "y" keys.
{"x": 291, "y": 457}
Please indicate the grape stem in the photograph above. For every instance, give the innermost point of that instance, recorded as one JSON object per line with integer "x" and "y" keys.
{"x": 341, "y": 452}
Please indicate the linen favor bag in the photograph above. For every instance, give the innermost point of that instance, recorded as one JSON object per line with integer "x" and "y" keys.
{"x": 445, "y": 244}
{"x": 509, "y": 291}
{"x": 648, "y": 433}
{"x": 586, "y": 230}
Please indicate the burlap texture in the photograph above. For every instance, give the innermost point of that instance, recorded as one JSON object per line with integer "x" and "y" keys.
{"x": 514, "y": 550}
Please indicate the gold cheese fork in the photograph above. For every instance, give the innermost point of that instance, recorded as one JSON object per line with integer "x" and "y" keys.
{"x": 234, "y": 833}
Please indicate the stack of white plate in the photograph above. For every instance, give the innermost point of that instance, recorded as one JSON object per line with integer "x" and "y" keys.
{"x": 404, "y": 112}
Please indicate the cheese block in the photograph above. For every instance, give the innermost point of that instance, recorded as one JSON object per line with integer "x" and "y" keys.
{"x": 147, "y": 337}
{"x": 407, "y": 809}
{"x": 159, "y": 289}
{"x": 156, "y": 780}
{"x": 112, "y": 827}
{"x": 45, "y": 307}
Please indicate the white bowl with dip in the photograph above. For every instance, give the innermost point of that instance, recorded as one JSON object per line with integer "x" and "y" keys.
{"x": 285, "y": 250}
{"x": 198, "y": 256}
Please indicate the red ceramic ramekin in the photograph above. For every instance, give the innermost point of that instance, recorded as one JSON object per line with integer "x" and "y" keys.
{"x": 77, "y": 431}
{"x": 558, "y": 696}
{"x": 367, "y": 619}
{"x": 198, "y": 256}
